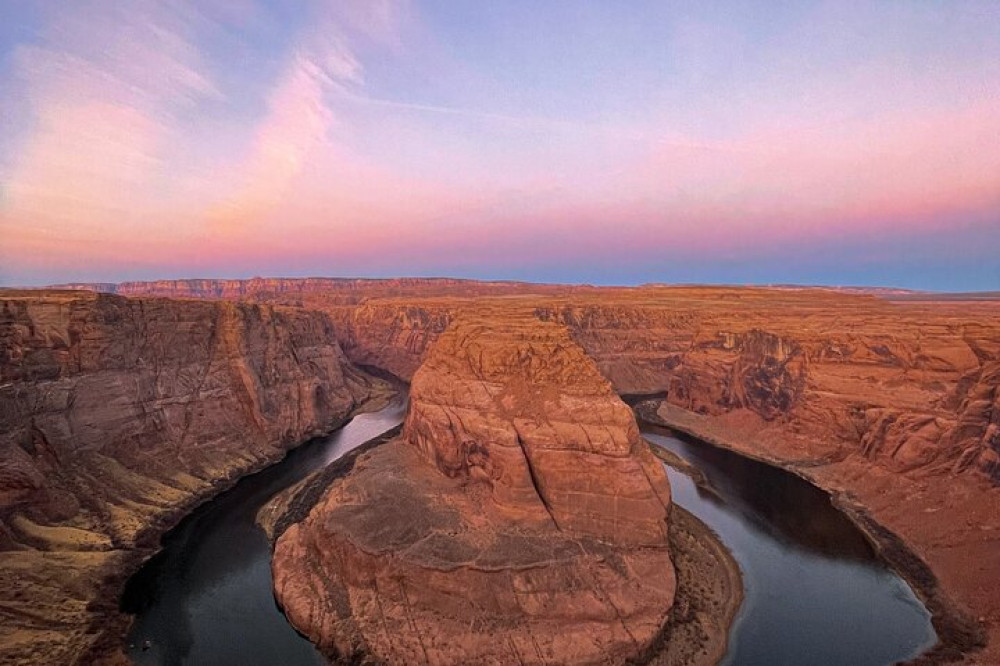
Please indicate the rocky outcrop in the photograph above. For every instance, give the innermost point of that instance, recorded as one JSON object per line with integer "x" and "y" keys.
{"x": 520, "y": 518}
{"x": 976, "y": 435}
{"x": 907, "y": 386}
{"x": 390, "y": 334}
{"x": 116, "y": 416}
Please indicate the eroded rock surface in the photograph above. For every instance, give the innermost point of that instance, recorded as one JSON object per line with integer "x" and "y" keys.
{"x": 519, "y": 518}
{"x": 116, "y": 416}
{"x": 889, "y": 399}
{"x": 910, "y": 384}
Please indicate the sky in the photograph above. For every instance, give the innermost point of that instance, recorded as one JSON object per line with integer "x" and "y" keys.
{"x": 614, "y": 142}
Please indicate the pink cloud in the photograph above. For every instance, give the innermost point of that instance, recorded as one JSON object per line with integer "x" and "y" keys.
{"x": 91, "y": 165}
{"x": 295, "y": 134}
{"x": 109, "y": 171}
{"x": 84, "y": 163}
{"x": 297, "y": 122}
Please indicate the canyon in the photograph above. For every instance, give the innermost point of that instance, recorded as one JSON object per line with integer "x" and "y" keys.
{"x": 889, "y": 402}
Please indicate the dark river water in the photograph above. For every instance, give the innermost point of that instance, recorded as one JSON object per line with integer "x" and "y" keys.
{"x": 206, "y": 597}
{"x": 815, "y": 593}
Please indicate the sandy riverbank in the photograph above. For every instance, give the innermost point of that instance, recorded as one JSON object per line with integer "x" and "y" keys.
{"x": 709, "y": 592}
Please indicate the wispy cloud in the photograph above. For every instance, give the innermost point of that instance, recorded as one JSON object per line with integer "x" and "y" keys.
{"x": 103, "y": 85}
{"x": 194, "y": 137}
{"x": 296, "y": 124}
{"x": 300, "y": 114}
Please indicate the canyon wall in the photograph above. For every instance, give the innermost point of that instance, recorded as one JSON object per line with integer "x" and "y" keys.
{"x": 520, "y": 518}
{"x": 116, "y": 416}
{"x": 340, "y": 290}
{"x": 892, "y": 405}
{"x": 910, "y": 386}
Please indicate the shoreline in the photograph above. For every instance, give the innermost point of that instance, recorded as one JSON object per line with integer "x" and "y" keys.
{"x": 294, "y": 503}
{"x": 958, "y": 634}
{"x": 951, "y": 625}
{"x": 111, "y": 626}
{"x": 709, "y": 595}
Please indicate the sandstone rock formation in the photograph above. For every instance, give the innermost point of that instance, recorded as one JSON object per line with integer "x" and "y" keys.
{"x": 342, "y": 290}
{"x": 908, "y": 385}
{"x": 520, "y": 518}
{"x": 890, "y": 404}
{"x": 116, "y": 416}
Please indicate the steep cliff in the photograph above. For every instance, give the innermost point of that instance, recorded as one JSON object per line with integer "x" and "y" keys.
{"x": 117, "y": 415}
{"x": 520, "y": 518}
{"x": 906, "y": 386}
{"x": 392, "y": 334}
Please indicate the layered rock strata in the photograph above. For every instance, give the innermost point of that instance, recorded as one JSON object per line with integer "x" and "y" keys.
{"x": 890, "y": 404}
{"x": 116, "y": 416}
{"x": 338, "y": 290}
{"x": 519, "y": 518}
{"x": 910, "y": 385}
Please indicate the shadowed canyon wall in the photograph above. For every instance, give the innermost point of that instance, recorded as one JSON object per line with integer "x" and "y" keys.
{"x": 116, "y": 416}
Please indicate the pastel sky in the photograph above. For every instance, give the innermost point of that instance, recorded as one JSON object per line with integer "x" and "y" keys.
{"x": 607, "y": 142}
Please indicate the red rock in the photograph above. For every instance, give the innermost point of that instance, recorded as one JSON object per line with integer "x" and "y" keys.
{"x": 519, "y": 519}
{"x": 891, "y": 402}
{"x": 116, "y": 416}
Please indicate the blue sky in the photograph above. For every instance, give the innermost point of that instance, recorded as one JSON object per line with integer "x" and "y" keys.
{"x": 606, "y": 142}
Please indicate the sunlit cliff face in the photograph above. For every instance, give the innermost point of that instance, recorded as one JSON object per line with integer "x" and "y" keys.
{"x": 830, "y": 143}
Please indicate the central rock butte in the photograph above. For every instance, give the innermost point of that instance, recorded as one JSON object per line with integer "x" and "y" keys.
{"x": 520, "y": 518}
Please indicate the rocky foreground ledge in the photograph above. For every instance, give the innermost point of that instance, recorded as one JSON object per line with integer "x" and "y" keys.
{"x": 519, "y": 518}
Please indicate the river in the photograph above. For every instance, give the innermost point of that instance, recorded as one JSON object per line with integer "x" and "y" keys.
{"x": 206, "y": 597}
{"x": 815, "y": 591}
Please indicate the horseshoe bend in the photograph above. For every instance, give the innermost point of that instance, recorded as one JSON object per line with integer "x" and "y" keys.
{"x": 411, "y": 332}
{"x": 519, "y": 515}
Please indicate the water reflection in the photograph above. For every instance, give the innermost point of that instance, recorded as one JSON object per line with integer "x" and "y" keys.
{"x": 206, "y": 597}
{"x": 791, "y": 511}
{"x": 815, "y": 591}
